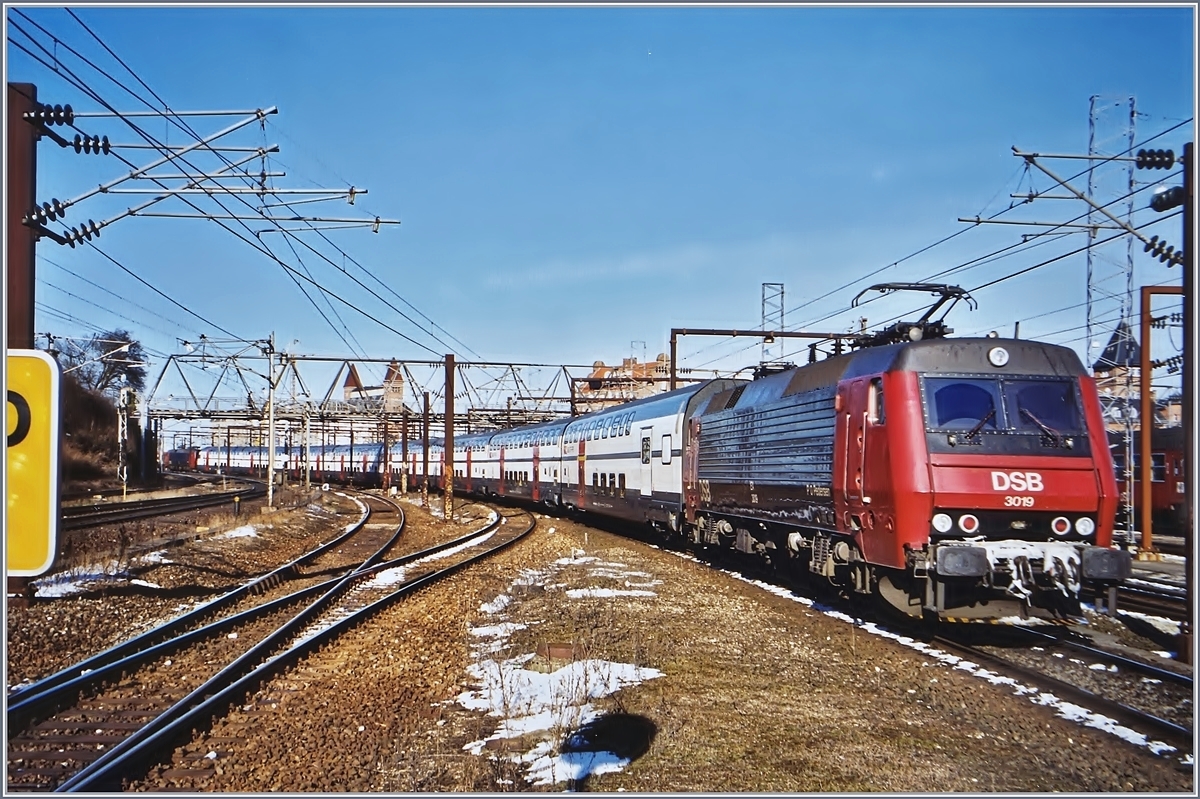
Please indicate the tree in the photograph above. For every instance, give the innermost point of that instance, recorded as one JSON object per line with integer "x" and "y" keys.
{"x": 107, "y": 362}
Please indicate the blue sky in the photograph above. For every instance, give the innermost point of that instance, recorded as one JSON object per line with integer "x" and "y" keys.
{"x": 571, "y": 181}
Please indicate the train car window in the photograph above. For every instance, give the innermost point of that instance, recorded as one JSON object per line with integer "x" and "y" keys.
{"x": 962, "y": 403}
{"x": 666, "y": 448}
{"x": 1042, "y": 405}
{"x": 629, "y": 423}
{"x": 603, "y": 481}
{"x": 876, "y": 402}
{"x": 1158, "y": 467}
{"x": 612, "y": 483}
{"x": 595, "y": 479}
{"x": 645, "y": 449}
{"x": 621, "y": 477}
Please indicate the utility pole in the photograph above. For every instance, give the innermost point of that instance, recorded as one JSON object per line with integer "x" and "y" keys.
{"x": 403, "y": 449}
{"x": 425, "y": 455}
{"x": 1189, "y": 388}
{"x": 307, "y": 453}
{"x": 271, "y": 422}
{"x": 387, "y": 471}
{"x": 21, "y": 178}
{"x": 122, "y": 436}
{"x": 448, "y": 447}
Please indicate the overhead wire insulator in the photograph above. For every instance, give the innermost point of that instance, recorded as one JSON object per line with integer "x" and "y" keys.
{"x": 1155, "y": 159}
{"x": 84, "y": 232}
{"x": 1164, "y": 199}
{"x": 52, "y": 114}
{"x": 47, "y": 212}
{"x": 92, "y": 144}
{"x": 1164, "y": 253}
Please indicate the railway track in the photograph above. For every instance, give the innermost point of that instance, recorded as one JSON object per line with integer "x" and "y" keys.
{"x": 1149, "y": 693}
{"x": 79, "y": 516}
{"x": 31, "y": 704}
{"x": 179, "y": 481}
{"x": 1034, "y": 672}
{"x": 1165, "y": 601}
{"x": 94, "y": 725}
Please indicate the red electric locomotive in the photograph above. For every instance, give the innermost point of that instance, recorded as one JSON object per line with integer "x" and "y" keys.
{"x": 180, "y": 460}
{"x": 961, "y": 478}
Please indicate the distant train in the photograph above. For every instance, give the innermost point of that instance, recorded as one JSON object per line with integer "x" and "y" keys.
{"x": 982, "y": 487}
{"x": 1168, "y": 489}
{"x": 358, "y": 464}
{"x": 181, "y": 460}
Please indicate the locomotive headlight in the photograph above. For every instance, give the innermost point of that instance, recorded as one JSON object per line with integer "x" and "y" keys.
{"x": 1061, "y": 525}
{"x": 968, "y": 523}
{"x": 1085, "y": 526}
{"x": 942, "y": 522}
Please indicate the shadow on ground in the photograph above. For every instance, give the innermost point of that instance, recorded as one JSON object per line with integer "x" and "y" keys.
{"x": 1147, "y": 630}
{"x": 618, "y": 736}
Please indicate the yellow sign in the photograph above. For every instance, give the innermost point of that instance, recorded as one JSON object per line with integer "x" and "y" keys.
{"x": 32, "y": 417}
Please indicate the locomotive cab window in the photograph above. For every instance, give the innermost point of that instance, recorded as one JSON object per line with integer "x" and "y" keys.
{"x": 1044, "y": 406}
{"x": 962, "y": 403}
{"x": 875, "y": 401}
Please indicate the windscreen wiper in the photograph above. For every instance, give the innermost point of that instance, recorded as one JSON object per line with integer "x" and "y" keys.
{"x": 1047, "y": 429}
{"x": 979, "y": 425}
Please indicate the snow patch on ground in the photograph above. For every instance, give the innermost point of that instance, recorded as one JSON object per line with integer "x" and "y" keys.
{"x": 557, "y": 703}
{"x": 245, "y": 531}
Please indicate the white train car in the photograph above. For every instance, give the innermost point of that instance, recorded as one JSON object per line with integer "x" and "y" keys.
{"x": 627, "y": 461}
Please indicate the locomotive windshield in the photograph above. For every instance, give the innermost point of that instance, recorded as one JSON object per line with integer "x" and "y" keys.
{"x": 1047, "y": 407}
{"x": 961, "y": 404}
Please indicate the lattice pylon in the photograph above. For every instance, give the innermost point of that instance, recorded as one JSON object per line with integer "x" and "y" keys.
{"x": 1111, "y": 131}
{"x": 772, "y": 320}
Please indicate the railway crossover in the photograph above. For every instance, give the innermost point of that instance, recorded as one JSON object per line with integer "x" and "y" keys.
{"x": 93, "y": 725}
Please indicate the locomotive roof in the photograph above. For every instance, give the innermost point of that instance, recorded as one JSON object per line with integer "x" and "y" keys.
{"x": 1025, "y": 357}
{"x": 942, "y": 355}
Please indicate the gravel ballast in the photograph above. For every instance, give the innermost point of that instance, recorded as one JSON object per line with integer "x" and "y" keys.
{"x": 754, "y": 692}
